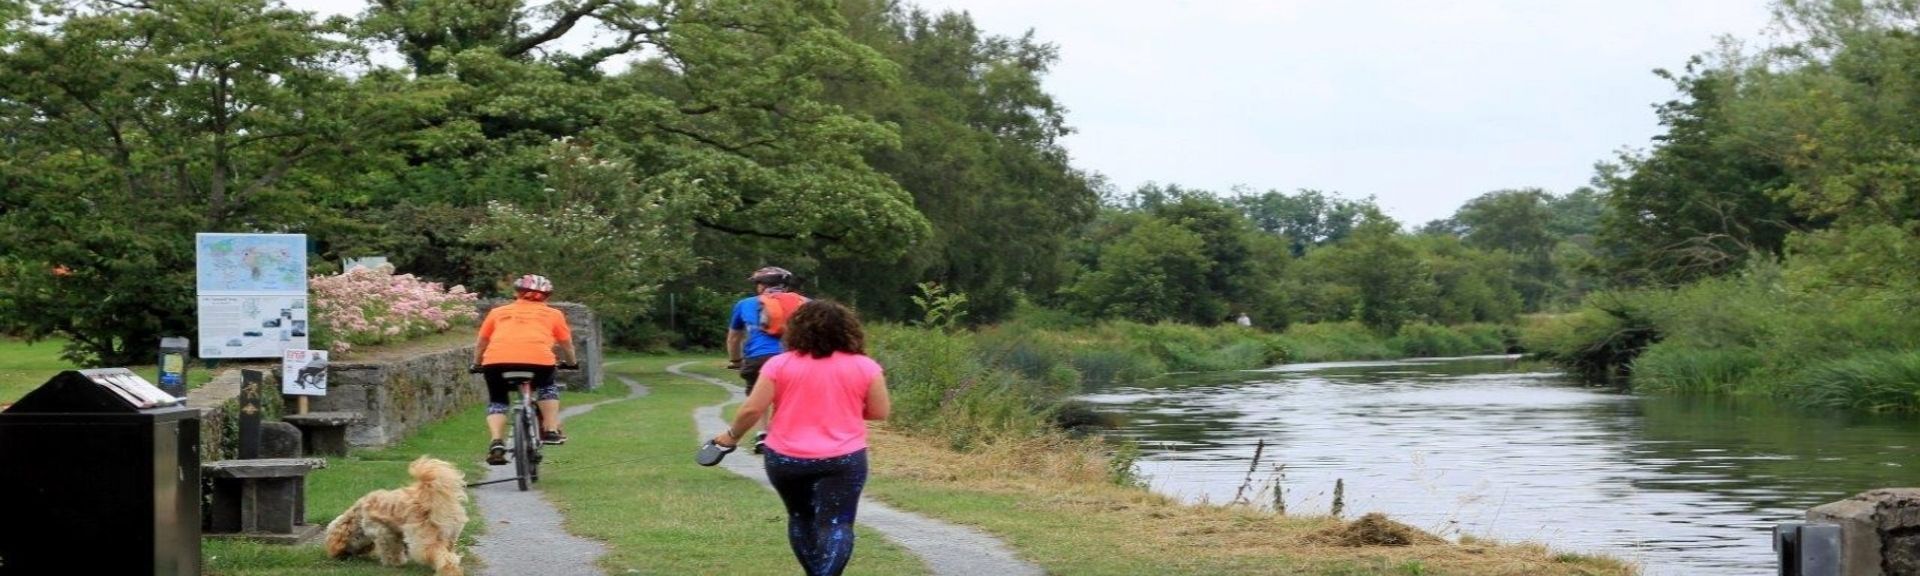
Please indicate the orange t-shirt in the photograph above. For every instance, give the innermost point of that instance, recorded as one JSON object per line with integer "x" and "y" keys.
{"x": 523, "y": 332}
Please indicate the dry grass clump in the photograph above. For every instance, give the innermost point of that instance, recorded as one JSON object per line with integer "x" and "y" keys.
{"x": 1052, "y": 498}
{"x": 1375, "y": 530}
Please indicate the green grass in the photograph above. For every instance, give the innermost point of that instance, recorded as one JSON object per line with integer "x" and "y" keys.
{"x": 626, "y": 477}
{"x": 1878, "y": 381}
{"x": 329, "y": 491}
{"x": 25, "y": 366}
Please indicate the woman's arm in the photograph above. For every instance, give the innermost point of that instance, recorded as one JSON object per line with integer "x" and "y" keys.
{"x": 757, "y": 404}
{"x": 879, "y": 405}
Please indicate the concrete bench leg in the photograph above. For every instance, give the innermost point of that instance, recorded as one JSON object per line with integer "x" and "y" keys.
{"x": 223, "y": 511}
{"x": 271, "y": 505}
{"x": 327, "y": 440}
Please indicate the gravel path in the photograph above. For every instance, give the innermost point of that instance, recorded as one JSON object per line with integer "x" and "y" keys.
{"x": 525, "y": 534}
{"x": 949, "y": 550}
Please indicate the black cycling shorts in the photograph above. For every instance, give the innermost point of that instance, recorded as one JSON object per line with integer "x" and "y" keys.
{"x": 498, "y": 389}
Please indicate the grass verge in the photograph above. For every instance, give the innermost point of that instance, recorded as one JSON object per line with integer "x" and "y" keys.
{"x": 25, "y": 366}
{"x": 1054, "y": 504}
{"x": 626, "y": 477}
{"x": 329, "y": 491}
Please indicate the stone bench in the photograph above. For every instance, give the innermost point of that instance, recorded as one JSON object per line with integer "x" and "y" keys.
{"x": 325, "y": 432}
{"x": 261, "y": 499}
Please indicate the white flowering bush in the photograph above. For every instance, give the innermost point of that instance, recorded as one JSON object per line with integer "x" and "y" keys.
{"x": 603, "y": 238}
{"x": 375, "y": 306}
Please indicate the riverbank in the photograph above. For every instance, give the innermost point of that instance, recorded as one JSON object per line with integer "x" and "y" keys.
{"x": 1054, "y": 499}
{"x": 1777, "y": 332}
{"x": 977, "y": 425}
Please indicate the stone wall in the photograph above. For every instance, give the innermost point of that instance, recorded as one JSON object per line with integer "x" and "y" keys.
{"x": 397, "y": 388}
{"x": 216, "y": 400}
{"x": 586, "y": 342}
{"x": 401, "y": 394}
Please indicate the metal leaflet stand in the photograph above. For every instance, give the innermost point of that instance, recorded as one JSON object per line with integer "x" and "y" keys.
{"x": 173, "y": 365}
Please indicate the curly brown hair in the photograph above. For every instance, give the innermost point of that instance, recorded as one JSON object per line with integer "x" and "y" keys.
{"x": 821, "y": 327}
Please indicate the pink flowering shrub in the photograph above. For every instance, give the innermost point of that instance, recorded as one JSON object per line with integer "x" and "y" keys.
{"x": 375, "y": 306}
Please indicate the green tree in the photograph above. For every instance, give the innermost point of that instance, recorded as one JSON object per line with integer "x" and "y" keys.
{"x": 1698, "y": 204}
{"x": 1149, "y": 273}
{"x": 1376, "y": 277}
{"x": 1307, "y": 218}
{"x": 605, "y": 240}
{"x": 980, "y": 154}
{"x": 129, "y": 127}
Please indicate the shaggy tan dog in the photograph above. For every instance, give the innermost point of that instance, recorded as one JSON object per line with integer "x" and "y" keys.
{"x": 421, "y": 522}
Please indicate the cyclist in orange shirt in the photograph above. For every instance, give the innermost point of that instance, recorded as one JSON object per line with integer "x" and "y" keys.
{"x": 522, "y": 336}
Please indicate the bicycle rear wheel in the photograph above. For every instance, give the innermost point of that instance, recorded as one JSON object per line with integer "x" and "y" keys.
{"x": 535, "y": 450}
{"x": 522, "y": 449}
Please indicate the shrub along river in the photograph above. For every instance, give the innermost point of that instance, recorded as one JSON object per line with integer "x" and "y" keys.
{"x": 1499, "y": 448}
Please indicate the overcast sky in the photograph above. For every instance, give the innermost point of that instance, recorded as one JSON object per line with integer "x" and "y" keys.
{"x": 1420, "y": 104}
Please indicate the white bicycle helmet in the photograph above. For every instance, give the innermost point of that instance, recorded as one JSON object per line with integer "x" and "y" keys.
{"x": 534, "y": 283}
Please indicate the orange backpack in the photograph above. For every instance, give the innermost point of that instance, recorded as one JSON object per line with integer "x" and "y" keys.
{"x": 775, "y": 308}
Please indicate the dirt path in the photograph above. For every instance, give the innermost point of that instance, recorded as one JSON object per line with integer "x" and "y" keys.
{"x": 524, "y": 533}
{"x": 948, "y": 549}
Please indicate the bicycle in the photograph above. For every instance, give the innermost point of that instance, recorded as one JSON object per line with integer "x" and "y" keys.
{"x": 525, "y": 419}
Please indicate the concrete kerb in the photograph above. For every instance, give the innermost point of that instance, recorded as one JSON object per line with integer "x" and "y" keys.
{"x": 947, "y": 549}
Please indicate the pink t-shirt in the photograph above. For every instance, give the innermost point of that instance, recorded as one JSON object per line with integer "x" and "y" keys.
{"x": 819, "y": 404}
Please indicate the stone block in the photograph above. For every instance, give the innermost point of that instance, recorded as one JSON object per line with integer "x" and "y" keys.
{"x": 325, "y": 432}
{"x": 281, "y": 440}
{"x": 1880, "y": 531}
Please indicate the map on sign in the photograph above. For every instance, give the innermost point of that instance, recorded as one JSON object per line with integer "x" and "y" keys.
{"x": 252, "y": 294}
{"x": 251, "y": 263}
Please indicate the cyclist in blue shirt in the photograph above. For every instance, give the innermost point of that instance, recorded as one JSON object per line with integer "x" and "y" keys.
{"x": 758, "y": 321}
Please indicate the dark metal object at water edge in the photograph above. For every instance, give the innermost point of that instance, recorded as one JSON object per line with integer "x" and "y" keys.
{"x": 1808, "y": 549}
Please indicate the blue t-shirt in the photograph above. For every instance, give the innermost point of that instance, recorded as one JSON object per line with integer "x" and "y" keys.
{"x": 746, "y": 316}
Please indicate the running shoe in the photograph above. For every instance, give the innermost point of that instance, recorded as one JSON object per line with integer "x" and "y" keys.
{"x": 497, "y": 454}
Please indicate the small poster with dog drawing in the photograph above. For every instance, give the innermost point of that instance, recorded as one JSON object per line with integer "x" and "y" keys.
{"x": 304, "y": 373}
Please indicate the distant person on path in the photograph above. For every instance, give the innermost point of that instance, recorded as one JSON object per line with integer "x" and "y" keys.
{"x": 754, "y": 330}
{"x": 1244, "y": 321}
{"x": 822, "y": 391}
{"x": 522, "y": 337}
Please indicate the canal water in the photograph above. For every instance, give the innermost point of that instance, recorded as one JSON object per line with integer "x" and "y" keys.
{"x": 1495, "y": 447}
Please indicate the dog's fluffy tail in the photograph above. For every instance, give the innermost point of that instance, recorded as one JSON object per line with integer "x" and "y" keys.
{"x": 444, "y": 488}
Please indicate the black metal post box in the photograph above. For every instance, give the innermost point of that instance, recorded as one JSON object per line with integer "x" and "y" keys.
{"x": 101, "y": 471}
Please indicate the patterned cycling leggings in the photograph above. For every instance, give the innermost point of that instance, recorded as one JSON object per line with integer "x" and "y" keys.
{"x": 822, "y": 495}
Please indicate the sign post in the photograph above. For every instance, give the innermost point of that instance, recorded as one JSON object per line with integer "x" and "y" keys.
{"x": 303, "y": 373}
{"x": 250, "y": 383}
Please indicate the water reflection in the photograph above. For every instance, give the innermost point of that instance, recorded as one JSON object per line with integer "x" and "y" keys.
{"x": 1494, "y": 447}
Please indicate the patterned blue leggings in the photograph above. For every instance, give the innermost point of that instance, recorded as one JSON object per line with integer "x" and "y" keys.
{"x": 822, "y": 495}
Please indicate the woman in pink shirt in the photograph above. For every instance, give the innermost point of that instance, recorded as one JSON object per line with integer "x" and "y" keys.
{"x": 823, "y": 389}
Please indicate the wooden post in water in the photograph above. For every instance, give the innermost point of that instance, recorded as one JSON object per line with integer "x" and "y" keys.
{"x": 1339, "y": 496}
